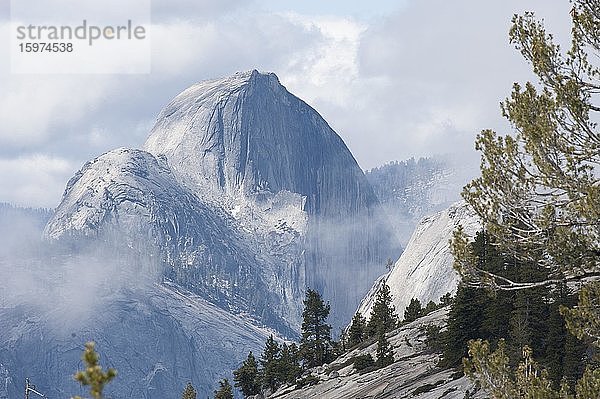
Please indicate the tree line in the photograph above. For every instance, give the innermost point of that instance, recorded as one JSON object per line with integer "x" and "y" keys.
{"x": 513, "y": 320}
{"x": 538, "y": 196}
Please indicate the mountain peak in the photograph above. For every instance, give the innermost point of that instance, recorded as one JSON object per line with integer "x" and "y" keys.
{"x": 246, "y": 134}
{"x": 243, "y": 139}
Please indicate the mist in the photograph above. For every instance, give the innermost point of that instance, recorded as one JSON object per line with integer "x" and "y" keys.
{"x": 68, "y": 283}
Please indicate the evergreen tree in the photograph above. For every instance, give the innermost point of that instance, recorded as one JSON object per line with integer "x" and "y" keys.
{"x": 496, "y": 307}
{"x": 93, "y": 376}
{"x": 555, "y": 348}
{"x": 246, "y": 376}
{"x": 189, "y": 392}
{"x": 288, "y": 365}
{"x": 357, "y": 333}
{"x": 225, "y": 390}
{"x": 269, "y": 374}
{"x": 413, "y": 311}
{"x": 385, "y": 353}
{"x": 464, "y": 324}
{"x": 539, "y": 196}
{"x": 383, "y": 315}
{"x": 431, "y": 307}
{"x": 315, "y": 344}
{"x": 446, "y": 299}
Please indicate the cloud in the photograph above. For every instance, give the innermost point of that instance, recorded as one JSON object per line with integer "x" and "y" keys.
{"x": 36, "y": 180}
{"x": 326, "y": 68}
{"x": 186, "y": 10}
{"x": 423, "y": 80}
{"x": 429, "y": 77}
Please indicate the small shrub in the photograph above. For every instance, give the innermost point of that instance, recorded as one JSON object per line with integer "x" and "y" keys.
{"x": 433, "y": 338}
{"x": 309, "y": 380}
{"x": 362, "y": 362}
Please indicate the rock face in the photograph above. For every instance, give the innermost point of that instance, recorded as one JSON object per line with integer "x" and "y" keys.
{"x": 241, "y": 140}
{"x": 412, "y": 189}
{"x": 158, "y": 336}
{"x": 247, "y": 135}
{"x": 157, "y": 340}
{"x": 247, "y": 195}
{"x": 241, "y": 199}
{"x": 424, "y": 270}
{"x": 131, "y": 198}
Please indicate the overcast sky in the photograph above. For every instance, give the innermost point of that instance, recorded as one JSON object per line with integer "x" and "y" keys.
{"x": 395, "y": 78}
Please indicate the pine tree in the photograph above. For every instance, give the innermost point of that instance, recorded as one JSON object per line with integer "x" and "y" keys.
{"x": 246, "y": 377}
{"x": 539, "y": 197}
{"x": 385, "y": 353}
{"x": 315, "y": 344}
{"x": 269, "y": 374}
{"x": 189, "y": 392}
{"x": 413, "y": 311}
{"x": 225, "y": 390}
{"x": 497, "y": 307}
{"x": 431, "y": 307}
{"x": 446, "y": 299}
{"x": 464, "y": 324}
{"x": 93, "y": 376}
{"x": 383, "y": 314}
{"x": 288, "y": 365}
{"x": 357, "y": 333}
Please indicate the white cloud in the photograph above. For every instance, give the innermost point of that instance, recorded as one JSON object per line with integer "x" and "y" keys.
{"x": 423, "y": 80}
{"x": 34, "y": 180}
{"x": 428, "y": 78}
{"x": 32, "y": 107}
{"x": 326, "y": 68}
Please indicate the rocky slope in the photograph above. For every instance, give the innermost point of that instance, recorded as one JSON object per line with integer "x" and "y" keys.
{"x": 174, "y": 258}
{"x": 414, "y": 373}
{"x": 158, "y": 335}
{"x": 424, "y": 270}
{"x": 158, "y": 339}
{"x": 132, "y": 198}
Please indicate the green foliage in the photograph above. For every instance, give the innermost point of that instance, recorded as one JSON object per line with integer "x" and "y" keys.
{"x": 589, "y": 385}
{"x": 583, "y": 321}
{"x": 539, "y": 189}
{"x": 446, "y": 300}
{"x": 357, "y": 333}
{"x": 385, "y": 352}
{"x": 413, "y": 311}
{"x": 269, "y": 374}
{"x": 246, "y": 377}
{"x": 289, "y": 364}
{"x": 189, "y": 392}
{"x": 433, "y": 338}
{"x": 363, "y": 362}
{"x": 225, "y": 390}
{"x": 431, "y": 307}
{"x": 309, "y": 380}
{"x": 526, "y": 317}
{"x": 492, "y": 370}
{"x": 464, "y": 324}
{"x": 279, "y": 364}
{"x": 383, "y": 314}
{"x": 539, "y": 197}
{"x": 427, "y": 388}
{"x": 315, "y": 344}
{"x": 93, "y": 376}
